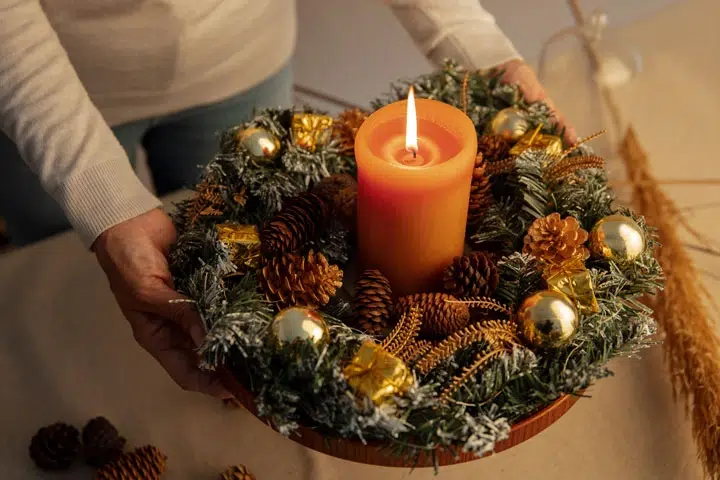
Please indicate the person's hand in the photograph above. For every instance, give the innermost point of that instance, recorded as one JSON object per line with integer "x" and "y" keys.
{"x": 522, "y": 74}
{"x": 133, "y": 255}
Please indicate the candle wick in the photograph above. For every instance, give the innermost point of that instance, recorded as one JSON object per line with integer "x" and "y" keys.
{"x": 414, "y": 152}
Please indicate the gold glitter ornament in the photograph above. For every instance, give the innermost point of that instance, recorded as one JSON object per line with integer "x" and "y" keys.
{"x": 299, "y": 324}
{"x": 377, "y": 374}
{"x": 548, "y": 319}
{"x": 310, "y": 130}
{"x": 617, "y": 238}
{"x": 261, "y": 144}
{"x": 510, "y": 123}
{"x": 243, "y": 241}
{"x": 552, "y": 144}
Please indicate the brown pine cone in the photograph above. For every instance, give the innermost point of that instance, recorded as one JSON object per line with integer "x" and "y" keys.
{"x": 144, "y": 463}
{"x": 480, "y": 194}
{"x": 291, "y": 279}
{"x": 372, "y": 303}
{"x": 55, "y": 447}
{"x": 474, "y": 275}
{"x": 555, "y": 240}
{"x": 345, "y": 129}
{"x": 101, "y": 442}
{"x": 238, "y": 472}
{"x": 494, "y": 148}
{"x": 301, "y": 219}
{"x": 345, "y": 204}
{"x": 330, "y": 186}
{"x": 340, "y": 194}
{"x": 440, "y": 318}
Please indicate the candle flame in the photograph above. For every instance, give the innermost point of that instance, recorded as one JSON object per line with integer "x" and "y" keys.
{"x": 411, "y": 140}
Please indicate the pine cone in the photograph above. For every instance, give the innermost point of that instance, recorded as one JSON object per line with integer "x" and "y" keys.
{"x": 345, "y": 128}
{"x": 146, "y": 463}
{"x": 340, "y": 194}
{"x": 238, "y": 472}
{"x": 292, "y": 280}
{"x": 555, "y": 240}
{"x": 494, "y": 148}
{"x": 480, "y": 194}
{"x": 330, "y": 186}
{"x": 345, "y": 204}
{"x": 474, "y": 275}
{"x": 372, "y": 303}
{"x": 440, "y": 318}
{"x": 301, "y": 219}
{"x": 55, "y": 447}
{"x": 101, "y": 442}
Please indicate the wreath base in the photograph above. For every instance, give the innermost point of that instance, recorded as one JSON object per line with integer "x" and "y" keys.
{"x": 374, "y": 453}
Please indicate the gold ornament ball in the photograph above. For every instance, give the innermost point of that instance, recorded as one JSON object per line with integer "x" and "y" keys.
{"x": 617, "y": 238}
{"x": 510, "y": 122}
{"x": 259, "y": 142}
{"x": 548, "y": 319}
{"x": 299, "y": 324}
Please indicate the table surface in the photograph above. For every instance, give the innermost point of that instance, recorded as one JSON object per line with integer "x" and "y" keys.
{"x": 67, "y": 354}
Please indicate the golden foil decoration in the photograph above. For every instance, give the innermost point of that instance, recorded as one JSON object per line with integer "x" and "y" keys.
{"x": 552, "y": 144}
{"x": 617, "y": 238}
{"x": 548, "y": 319}
{"x": 510, "y": 122}
{"x": 299, "y": 324}
{"x": 310, "y": 130}
{"x": 259, "y": 142}
{"x": 243, "y": 241}
{"x": 377, "y": 374}
{"x": 577, "y": 285}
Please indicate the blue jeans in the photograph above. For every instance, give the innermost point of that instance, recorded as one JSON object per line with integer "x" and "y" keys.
{"x": 176, "y": 145}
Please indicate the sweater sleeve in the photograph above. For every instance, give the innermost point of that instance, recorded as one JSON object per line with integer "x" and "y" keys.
{"x": 458, "y": 29}
{"x": 60, "y": 134}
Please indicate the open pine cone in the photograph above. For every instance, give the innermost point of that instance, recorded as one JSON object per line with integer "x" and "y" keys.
{"x": 372, "y": 303}
{"x": 480, "y": 194}
{"x": 146, "y": 463}
{"x": 301, "y": 219}
{"x": 494, "y": 148}
{"x": 440, "y": 318}
{"x": 101, "y": 442}
{"x": 339, "y": 192}
{"x": 238, "y": 472}
{"x": 555, "y": 240}
{"x": 55, "y": 447}
{"x": 474, "y": 275}
{"x": 291, "y": 279}
{"x": 345, "y": 129}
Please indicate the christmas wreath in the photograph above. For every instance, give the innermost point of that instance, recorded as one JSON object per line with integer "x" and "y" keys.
{"x": 548, "y": 292}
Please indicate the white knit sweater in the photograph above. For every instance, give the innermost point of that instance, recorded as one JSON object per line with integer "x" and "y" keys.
{"x": 71, "y": 68}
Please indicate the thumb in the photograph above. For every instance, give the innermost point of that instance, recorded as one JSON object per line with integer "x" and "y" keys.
{"x": 166, "y": 303}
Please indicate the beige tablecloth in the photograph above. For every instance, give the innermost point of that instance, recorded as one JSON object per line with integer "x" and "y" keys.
{"x": 67, "y": 354}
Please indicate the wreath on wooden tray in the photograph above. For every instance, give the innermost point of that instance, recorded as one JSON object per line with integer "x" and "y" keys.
{"x": 548, "y": 293}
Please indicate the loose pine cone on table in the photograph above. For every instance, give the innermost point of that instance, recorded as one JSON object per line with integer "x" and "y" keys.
{"x": 144, "y": 463}
{"x": 372, "y": 303}
{"x": 55, "y": 447}
{"x": 301, "y": 219}
{"x": 238, "y": 472}
{"x": 494, "y": 148}
{"x": 473, "y": 275}
{"x": 555, "y": 240}
{"x": 101, "y": 442}
{"x": 480, "y": 191}
{"x": 291, "y": 279}
{"x": 440, "y": 318}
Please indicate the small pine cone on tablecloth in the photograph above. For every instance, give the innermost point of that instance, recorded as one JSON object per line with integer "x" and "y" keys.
{"x": 473, "y": 275}
{"x": 555, "y": 240}
{"x": 146, "y": 463}
{"x": 55, "y": 447}
{"x": 480, "y": 192}
{"x": 372, "y": 303}
{"x": 440, "y": 318}
{"x": 494, "y": 148}
{"x": 291, "y": 279}
{"x": 301, "y": 219}
{"x": 101, "y": 442}
{"x": 238, "y": 472}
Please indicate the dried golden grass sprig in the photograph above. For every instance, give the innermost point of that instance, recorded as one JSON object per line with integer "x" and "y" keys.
{"x": 568, "y": 166}
{"x": 468, "y": 372}
{"x": 415, "y": 350}
{"x": 404, "y": 332}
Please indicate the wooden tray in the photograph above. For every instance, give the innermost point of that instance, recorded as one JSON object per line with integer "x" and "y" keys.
{"x": 373, "y": 453}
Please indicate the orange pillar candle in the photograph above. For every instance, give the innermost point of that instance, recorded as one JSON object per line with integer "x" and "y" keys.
{"x": 415, "y": 160}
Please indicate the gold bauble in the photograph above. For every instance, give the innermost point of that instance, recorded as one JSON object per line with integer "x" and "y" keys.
{"x": 510, "y": 123}
{"x": 299, "y": 324}
{"x": 259, "y": 142}
{"x": 617, "y": 238}
{"x": 548, "y": 319}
